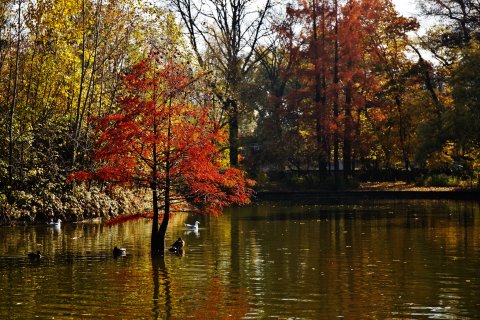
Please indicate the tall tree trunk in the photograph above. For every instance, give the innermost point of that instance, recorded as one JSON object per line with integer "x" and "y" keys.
{"x": 348, "y": 122}
{"x": 347, "y": 134}
{"x": 14, "y": 104}
{"x": 233, "y": 131}
{"x": 319, "y": 117}
{"x": 227, "y": 28}
{"x": 463, "y": 22}
{"x": 77, "y": 125}
{"x": 162, "y": 232}
{"x": 153, "y": 239}
{"x": 154, "y": 186}
{"x": 403, "y": 136}
{"x": 429, "y": 84}
{"x": 336, "y": 81}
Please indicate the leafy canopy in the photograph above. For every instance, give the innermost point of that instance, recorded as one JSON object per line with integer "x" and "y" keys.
{"x": 163, "y": 138}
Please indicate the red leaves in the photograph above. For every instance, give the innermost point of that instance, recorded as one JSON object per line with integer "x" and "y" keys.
{"x": 79, "y": 176}
{"x": 158, "y": 130}
{"x": 128, "y": 217}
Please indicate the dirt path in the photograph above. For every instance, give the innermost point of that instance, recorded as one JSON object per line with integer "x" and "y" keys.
{"x": 400, "y": 186}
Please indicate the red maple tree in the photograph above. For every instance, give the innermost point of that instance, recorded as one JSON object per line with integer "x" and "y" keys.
{"x": 159, "y": 138}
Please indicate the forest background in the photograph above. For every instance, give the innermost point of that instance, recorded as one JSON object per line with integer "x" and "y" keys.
{"x": 319, "y": 94}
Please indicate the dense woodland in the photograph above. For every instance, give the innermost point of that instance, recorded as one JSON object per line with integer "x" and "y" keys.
{"x": 314, "y": 94}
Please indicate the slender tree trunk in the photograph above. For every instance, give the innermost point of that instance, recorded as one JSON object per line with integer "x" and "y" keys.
{"x": 153, "y": 240}
{"x": 14, "y": 104}
{"x": 166, "y": 217}
{"x": 166, "y": 209}
{"x": 403, "y": 136}
{"x": 348, "y": 125}
{"x": 78, "y": 124}
{"x": 226, "y": 25}
{"x": 347, "y": 134}
{"x": 429, "y": 83}
{"x": 323, "y": 98}
{"x": 30, "y": 77}
{"x": 336, "y": 81}
{"x": 319, "y": 108}
{"x": 463, "y": 22}
{"x": 87, "y": 102}
{"x": 233, "y": 131}
{"x": 154, "y": 186}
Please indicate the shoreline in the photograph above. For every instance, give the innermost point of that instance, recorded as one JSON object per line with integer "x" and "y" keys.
{"x": 368, "y": 191}
{"x": 463, "y": 195}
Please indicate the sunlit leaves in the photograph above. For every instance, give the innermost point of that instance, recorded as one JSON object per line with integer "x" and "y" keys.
{"x": 159, "y": 130}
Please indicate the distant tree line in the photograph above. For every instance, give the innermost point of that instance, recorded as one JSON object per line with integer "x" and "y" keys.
{"x": 350, "y": 85}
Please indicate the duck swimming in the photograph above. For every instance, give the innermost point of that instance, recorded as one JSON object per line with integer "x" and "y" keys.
{"x": 57, "y": 223}
{"x": 192, "y": 227}
{"x": 34, "y": 256}
{"x": 177, "y": 246}
{"x": 119, "y": 251}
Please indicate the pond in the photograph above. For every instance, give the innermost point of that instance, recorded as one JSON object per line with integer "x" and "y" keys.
{"x": 416, "y": 259}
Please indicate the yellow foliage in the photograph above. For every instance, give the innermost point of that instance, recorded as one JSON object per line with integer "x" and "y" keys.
{"x": 305, "y": 133}
{"x": 442, "y": 158}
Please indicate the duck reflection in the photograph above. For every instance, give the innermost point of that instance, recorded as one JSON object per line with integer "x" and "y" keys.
{"x": 177, "y": 247}
{"x": 195, "y": 232}
{"x": 161, "y": 289}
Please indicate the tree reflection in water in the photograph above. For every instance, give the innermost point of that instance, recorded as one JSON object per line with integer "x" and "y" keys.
{"x": 161, "y": 278}
{"x": 385, "y": 259}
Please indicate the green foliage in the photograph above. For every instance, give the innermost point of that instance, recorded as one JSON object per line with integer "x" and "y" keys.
{"x": 445, "y": 180}
{"x": 439, "y": 180}
{"x": 466, "y": 94}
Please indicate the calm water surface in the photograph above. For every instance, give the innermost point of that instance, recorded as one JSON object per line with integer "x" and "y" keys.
{"x": 361, "y": 260}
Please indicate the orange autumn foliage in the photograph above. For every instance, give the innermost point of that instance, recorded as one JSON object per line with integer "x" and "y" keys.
{"x": 159, "y": 134}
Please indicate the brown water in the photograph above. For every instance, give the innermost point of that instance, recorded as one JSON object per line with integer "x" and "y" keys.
{"x": 381, "y": 260}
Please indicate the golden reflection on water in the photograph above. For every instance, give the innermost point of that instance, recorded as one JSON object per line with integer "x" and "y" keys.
{"x": 382, "y": 260}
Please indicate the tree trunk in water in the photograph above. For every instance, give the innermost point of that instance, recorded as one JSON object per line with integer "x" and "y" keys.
{"x": 153, "y": 241}
{"x": 162, "y": 232}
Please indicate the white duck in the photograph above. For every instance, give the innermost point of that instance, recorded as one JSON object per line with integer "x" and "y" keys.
{"x": 58, "y": 223}
{"x": 192, "y": 227}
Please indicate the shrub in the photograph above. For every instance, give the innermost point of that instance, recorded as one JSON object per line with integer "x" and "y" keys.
{"x": 438, "y": 180}
{"x": 78, "y": 203}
